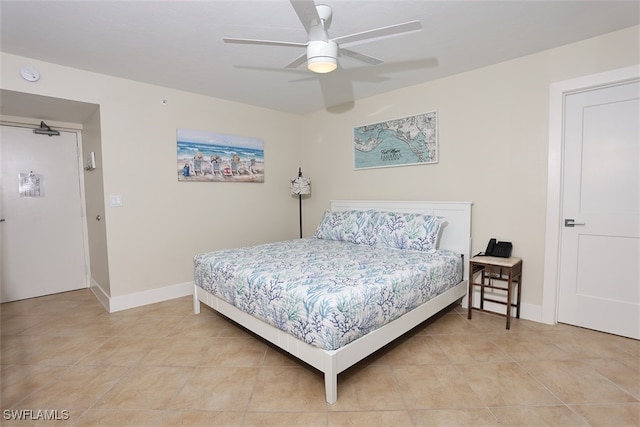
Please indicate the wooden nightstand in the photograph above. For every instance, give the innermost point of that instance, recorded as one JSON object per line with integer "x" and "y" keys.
{"x": 507, "y": 271}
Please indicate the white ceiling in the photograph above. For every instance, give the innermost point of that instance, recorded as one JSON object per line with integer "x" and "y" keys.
{"x": 178, "y": 44}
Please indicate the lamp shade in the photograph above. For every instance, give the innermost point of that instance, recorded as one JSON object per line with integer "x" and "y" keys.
{"x": 300, "y": 185}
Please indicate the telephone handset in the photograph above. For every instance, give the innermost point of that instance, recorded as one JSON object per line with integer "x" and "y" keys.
{"x": 498, "y": 249}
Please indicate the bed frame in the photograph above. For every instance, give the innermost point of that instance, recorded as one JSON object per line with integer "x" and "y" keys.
{"x": 456, "y": 236}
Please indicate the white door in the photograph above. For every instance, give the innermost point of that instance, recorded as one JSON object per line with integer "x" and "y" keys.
{"x": 42, "y": 236}
{"x": 600, "y": 255}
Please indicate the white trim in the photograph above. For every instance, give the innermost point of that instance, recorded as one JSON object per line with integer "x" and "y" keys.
{"x": 139, "y": 299}
{"x": 99, "y": 293}
{"x": 557, "y": 93}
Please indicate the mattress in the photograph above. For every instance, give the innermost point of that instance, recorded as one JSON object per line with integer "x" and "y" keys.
{"x": 326, "y": 293}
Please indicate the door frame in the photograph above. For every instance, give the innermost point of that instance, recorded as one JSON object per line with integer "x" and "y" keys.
{"x": 557, "y": 93}
{"x": 27, "y": 123}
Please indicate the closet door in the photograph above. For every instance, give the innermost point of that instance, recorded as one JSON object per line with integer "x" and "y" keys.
{"x": 600, "y": 239}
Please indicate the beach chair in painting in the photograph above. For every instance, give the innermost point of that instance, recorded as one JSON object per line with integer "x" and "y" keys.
{"x": 215, "y": 168}
{"x": 234, "y": 168}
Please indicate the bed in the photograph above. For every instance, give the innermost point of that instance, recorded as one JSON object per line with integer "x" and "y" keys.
{"x": 333, "y": 299}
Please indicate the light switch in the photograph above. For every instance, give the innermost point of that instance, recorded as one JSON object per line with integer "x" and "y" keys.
{"x": 116, "y": 201}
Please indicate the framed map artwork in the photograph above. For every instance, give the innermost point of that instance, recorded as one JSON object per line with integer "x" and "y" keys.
{"x": 399, "y": 142}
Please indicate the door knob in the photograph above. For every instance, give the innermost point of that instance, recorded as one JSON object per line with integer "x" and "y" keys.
{"x": 2, "y": 219}
{"x": 570, "y": 222}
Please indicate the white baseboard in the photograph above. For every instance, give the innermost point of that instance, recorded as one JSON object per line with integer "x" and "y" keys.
{"x": 99, "y": 293}
{"x": 139, "y": 299}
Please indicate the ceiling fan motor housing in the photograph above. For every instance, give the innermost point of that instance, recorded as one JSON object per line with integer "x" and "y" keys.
{"x": 325, "y": 13}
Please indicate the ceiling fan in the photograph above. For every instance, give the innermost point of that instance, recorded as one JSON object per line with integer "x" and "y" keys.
{"x": 322, "y": 51}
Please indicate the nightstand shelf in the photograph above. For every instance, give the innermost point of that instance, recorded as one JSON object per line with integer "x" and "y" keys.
{"x": 496, "y": 274}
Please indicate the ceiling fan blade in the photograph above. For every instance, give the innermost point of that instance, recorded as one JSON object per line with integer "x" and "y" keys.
{"x": 391, "y": 30}
{"x": 360, "y": 56}
{"x": 307, "y": 13}
{"x": 263, "y": 42}
{"x": 298, "y": 61}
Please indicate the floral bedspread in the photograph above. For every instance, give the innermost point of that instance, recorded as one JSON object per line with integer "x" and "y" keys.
{"x": 326, "y": 293}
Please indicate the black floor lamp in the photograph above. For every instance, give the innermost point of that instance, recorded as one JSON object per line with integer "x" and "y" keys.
{"x": 300, "y": 186}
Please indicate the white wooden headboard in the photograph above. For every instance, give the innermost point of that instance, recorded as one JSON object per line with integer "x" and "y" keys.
{"x": 456, "y": 235}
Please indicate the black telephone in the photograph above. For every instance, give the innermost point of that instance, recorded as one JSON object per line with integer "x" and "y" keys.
{"x": 498, "y": 249}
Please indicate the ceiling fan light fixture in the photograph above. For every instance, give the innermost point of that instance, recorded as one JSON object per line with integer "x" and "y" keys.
{"x": 322, "y": 65}
{"x": 322, "y": 56}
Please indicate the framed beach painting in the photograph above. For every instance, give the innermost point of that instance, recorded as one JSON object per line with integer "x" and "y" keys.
{"x": 215, "y": 157}
{"x": 400, "y": 142}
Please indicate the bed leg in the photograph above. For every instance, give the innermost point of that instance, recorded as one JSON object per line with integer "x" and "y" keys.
{"x": 331, "y": 388}
{"x": 196, "y": 302}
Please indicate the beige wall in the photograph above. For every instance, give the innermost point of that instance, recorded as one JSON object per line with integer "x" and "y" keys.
{"x": 95, "y": 204}
{"x": 152, "y": 239}
{"x": 493, "y": 129}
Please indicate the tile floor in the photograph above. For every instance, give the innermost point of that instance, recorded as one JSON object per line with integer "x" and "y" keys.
{"x": 161, "y": 365}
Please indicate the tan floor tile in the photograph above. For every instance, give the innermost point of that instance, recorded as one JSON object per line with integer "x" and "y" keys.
{"x": 505, "y": 384}
{"x": 18, "y": 381}
{"x": 146, "y": 388}
{"x": 574, "y": 382}
{"x": 416, "y": 350}
{"x": 76, "y": 388}
{"x": 66, "y": 349}
{"x": 449, "y": 324}
{"x": 202, "y": 419}
{"x": 543, "y": 327}
{"x": 121, "y": 351}
{"x": 145, "y": 326}
{"x": 240, "y": 352}
{"x": 625, "y": 372}
{"x": 216, "y": 389}
{"x": 233, "y": 330}
{"x": 17, "y": 324}
{"x": 290, "y": 419}
{"x": 83, "y": 308}
{"x": 454, "y": 417}
{"x": 495, "y": 323}
{"x": 625, "y": 345}
{"x": 96, "y": 326}
{"x": 280, "y": 388}
{"x": 434, "y": 387}
{"x": 370, "y": 419}
{"x": 470, "y": 348}
{"x": 22, "y": 308}
{"x": 619, "y": 415}
{"x": 49, "y": 350}
{"x": 62, "y": 306}
{"x": 526, "y": 345}
{"x": 119, "y": 418}
{"x": 459, "y": 309}
{"x": 201, "y": 325}
{"x": 583, "y": 343}
{"x": 368, "y": 388}
{"x": 177, "y": 351}
{"x": 539, "y": 416}
{"x": 278, "y": 357}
